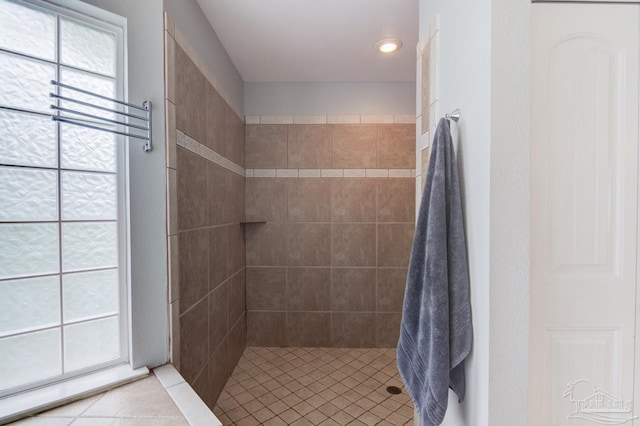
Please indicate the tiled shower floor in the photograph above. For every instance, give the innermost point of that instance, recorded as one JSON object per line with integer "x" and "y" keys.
{"x": 314, "y": 386}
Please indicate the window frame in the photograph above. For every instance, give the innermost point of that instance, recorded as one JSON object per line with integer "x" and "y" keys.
{"x": 93, "y": 16}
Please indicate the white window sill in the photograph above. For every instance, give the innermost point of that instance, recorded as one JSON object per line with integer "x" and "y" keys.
{"x": 17, "y": 406}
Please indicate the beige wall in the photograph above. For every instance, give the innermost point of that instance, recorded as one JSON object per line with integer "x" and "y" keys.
{"x": 483, "y": 68}
{"x": 147, "y": 294}
{"x": 205, "y": 160}
{"x": 328, "y": 267}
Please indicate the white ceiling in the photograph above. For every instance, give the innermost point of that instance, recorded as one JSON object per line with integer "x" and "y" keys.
{"x": 316, "y": 40}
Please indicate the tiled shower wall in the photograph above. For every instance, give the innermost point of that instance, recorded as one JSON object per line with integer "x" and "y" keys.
{"x": 328, "y": 266}
{"x": 205, "y": 160}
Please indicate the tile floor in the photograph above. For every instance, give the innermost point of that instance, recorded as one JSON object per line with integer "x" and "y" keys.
{"x": 314, "y": 386}
{"x": 141, "y": 403}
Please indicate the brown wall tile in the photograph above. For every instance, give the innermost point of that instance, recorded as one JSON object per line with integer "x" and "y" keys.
{"x": 309, "y": 146}
{"x": 174, "y": 326}
{"x": 354, "y": 244}
{"x": 388, "y": 330}
{"x": 201, "y": 385}
{"x": 353, "y": 289}
{"x": 266, "y": 199}
{"x": 425, "y": 93}
{"x": 235, "y": 205}
{"x": 266, "y": 328}
{"x": 171, "y": 141}
{"x": 218, "y": 323}
{"x": 425, "y": 155}
{"x": 235, "y": 138}
{"x": 354, "y": 200}
{"x": 397, "y": 146}
{"x": 193, "y": 341}
{"x": 354, "y": 146}
{"x": 172, "y": 199}
{"x": 309, "y": 200}
{"x": 396, "y": 200}
{"x": 219, "y": 191}
{"x": 193, "y": 208}
{"x": 266, "y": 244}
{"x": 317, "y": 262}
{"x": 353, "y": 330}
{"x": 266, "y": 289}
{"x": 394, "y": 244}
{"x": 194, "y": 267}
{"x": 236, "y": 253}
{"x": 309, "y": 329}
{"x": 212, "y": 321}
{"x": 391, "y": 284}
{"x": 308, "y": 244}
{"x": 266, "y": 146}
{"x": 218, "y": 255}
{"x": 219, "y": 372}
{"x": 237, "y": 297}
{"x": 308, "y": 289}
{"x": 173, "y": 260}
{"x": 243, "y": 152}
{"x": 170, "y": 70}
{"x": 216, "y": 121}
{"x": 191, "y": 87}
{"x": 237, "y": 338}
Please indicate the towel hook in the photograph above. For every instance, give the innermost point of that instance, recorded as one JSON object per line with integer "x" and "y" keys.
{"x": 453, "y": 115}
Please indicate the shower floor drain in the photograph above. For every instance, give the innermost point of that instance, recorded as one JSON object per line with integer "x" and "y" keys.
{"x": 394, "y": 390}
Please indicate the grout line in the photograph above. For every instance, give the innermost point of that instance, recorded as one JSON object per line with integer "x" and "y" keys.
{"x": 330, "y": 173}
{"x": 93, "y": 403}
{"x": 377, "y": 146}
{"x": 286, "y": 253}
{"x": 324, "y": 267}
{"x": 323, "y": 312}
{"x": 332, "y": 128}
{"x": 338, "y": 119}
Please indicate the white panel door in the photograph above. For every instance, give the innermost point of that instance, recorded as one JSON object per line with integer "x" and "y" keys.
{"x": 584, "y": 167}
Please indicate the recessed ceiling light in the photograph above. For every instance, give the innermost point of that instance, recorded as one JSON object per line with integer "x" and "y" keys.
{"x": 388, "y": 45}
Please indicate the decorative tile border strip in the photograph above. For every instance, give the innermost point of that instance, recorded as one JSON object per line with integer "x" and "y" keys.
{"x": 196, "y": 147}
{"x": 330, "y": 173}
{"x": 330, "y": 119}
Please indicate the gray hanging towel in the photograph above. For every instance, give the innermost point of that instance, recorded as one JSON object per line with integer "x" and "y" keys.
{"x": 436, "y": 332}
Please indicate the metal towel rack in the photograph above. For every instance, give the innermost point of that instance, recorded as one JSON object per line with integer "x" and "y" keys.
{"x": 453, "y": 115}
{"x": 92, "y": 121}
{"x": 141, "y": 122}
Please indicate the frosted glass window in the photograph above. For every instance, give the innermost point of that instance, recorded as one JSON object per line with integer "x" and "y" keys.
{"x": 25, "y": 83}
{"x": 90, "y": 294}
{"x": 28, "y": 249}
{"x": 90, "y": 245}
{"x": 28, "y": 30}
{"x": 29, "y": 304}
{"x": 91, "y": 343}
{"x": 89, "y": 48}
{"x": 30, "y": 357}
{"x": 27, "y": 140}
{"x": 61, "y": 286}
{"x": 89, "y": 196}
{"x": 87, "y": 149}
{"x": 93, "y": 83}
{"x": 28, "y": 194}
